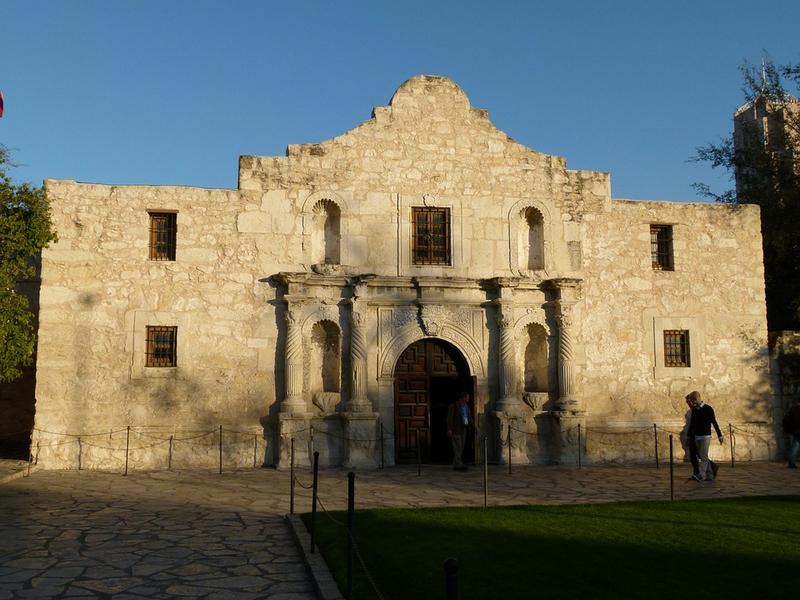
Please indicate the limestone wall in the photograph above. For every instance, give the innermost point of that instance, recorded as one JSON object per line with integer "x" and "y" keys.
{"x": 427, "y": 148}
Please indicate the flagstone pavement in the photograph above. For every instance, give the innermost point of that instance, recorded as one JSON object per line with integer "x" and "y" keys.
{"x": 168, "y": 534}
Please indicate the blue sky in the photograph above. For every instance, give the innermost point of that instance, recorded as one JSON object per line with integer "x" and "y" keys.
{"x": 158, "y": 92}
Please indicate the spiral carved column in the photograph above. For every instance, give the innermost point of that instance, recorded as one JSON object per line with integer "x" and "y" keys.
{"x": 293, "y": 402}
{"x": 359, "y": 401}
{"x": 566, "y": 378}
{"x": 507, "y": 364}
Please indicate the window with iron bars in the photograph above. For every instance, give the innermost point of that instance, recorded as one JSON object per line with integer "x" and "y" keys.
{"x": 661, "y": 247}
{"x": 162, "y": 346}
{"x": 163, "y": 235}
{"x": 676, "y": 348}
{"x": 431, "y": 236}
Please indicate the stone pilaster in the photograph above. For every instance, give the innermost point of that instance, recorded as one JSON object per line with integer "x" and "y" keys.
{"x": 508, "y": 371}
{"x": 359, "y": 398}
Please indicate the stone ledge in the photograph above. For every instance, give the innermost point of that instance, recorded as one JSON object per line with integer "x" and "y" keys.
{"x": 324, "y": 582}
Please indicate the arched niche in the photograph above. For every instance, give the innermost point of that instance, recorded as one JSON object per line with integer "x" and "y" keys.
{"x": 535, "y": 358}
{"x": 326, "y": 233}
{"x": 531, "y": 239}
{"x": 325, "y": 364}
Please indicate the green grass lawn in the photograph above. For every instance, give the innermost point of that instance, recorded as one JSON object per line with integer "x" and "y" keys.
{"x": 732, "y": 548}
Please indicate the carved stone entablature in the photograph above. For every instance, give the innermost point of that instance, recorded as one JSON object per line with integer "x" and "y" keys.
{"x": 432, "y": 318}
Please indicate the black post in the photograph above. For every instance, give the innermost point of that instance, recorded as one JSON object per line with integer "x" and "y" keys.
{"x": 36, "y": 460}
{"x": 311, "y": 439}
{"x": 419, "y": 456}
{"x": 314, "y": 499}
{"x": 655, "y": 438}
{"x": 127, "y": 447}
{"x": 255, "y": 450}
{"x": 220, "y": 449}
{"x": 671, "y": 471}
{"x": 451, "y": 579}
{"x": 169, "y": 456}
{"x": 509, "y": 448}
{"x": 351, "y": 509}
{"x": 579, "y": 445}
{"x": 730, "y": 434}
{"x": 80, "y": 452}
{"x": 381, "y": 445}
{"x": 30, "y": 460}
{"x": 291, "y": 477}
{"x": 485, "y": 474}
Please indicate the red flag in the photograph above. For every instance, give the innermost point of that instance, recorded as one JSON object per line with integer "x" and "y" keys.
{"x": 1, "y": 103}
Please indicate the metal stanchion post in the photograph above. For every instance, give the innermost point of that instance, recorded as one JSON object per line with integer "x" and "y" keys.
{"x": 419, "y": 456}
{"x": 351, "y": 509}
{"x": 485, "y": 474}
{"x": 255, "y": 450}
{"x": 314, "y": 499}
{"x": 730, "y": 434}
{"x": 30, "y": 460}
{"x": 655, "y": 439}
{"x": 169, "y": 456}
{"x": 579, "y": 445}
{"x": 671, "y": 471}
{"x": 80, "y": 452}
{"x": 220, "y": 449}
{"x": 451, "y": 579}
{"x": 382, "y": 446}
{"x": 509, "y": 448}
{"x": 311, "y": 440}
{"x": 127, "y": 447}
{"x": 291, "y": 477}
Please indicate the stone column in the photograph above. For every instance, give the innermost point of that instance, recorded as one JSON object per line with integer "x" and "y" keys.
{"x": 507, "y": 362}
{"x": 359, "y": 400}
{"x": 293, "y": 403}
{"x": 568, "y": 292}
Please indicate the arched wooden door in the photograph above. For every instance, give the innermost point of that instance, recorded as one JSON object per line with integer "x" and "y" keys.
{"x": 428, "y": 376}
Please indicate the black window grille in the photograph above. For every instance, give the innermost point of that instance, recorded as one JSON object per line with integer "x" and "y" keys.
{"x": 163, "y": 234}
{"x": 431, "y": 236}
{"x": 162, "y": 346}
{"x": 676, "y": 348}
{"x": 661, "y": 247}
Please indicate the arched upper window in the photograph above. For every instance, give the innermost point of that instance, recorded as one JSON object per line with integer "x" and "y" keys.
{"x": 325, "y": 233}
{"x": 531, "y": 242}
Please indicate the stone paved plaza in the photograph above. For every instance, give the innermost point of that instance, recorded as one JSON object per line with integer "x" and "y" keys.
{"x": 201, "y": 534}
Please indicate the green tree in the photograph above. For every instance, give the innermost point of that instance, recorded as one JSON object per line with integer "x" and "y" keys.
{"x": 762, "y": 156}
{"x": 25, "y": 228}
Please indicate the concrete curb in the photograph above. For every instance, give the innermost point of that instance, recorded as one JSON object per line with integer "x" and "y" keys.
{"x": 16, "y": 475}
{"x": 324, "y": 582}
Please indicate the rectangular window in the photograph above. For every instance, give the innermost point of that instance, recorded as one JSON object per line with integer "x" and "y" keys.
{"x": 431, "y": 236}
{"x": 676, "y": 348}
{"x": 162, "y": 346}
{"x": 661, "y": 247}
{"x": 163, "y": 230}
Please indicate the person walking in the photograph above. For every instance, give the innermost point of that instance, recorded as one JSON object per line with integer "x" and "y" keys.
{"x": 459, "y": 420}
{"x": 791, "y": 426}
{"x": 691, "y": 446}
{"x": 702, "y": 419}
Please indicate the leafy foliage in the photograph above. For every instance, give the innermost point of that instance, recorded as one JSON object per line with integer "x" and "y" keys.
{"x": 25, "y": 228}
{"x": 764, "y": 163}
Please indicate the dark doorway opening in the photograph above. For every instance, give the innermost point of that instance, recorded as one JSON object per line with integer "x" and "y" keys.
{"x": 429, "y": 375}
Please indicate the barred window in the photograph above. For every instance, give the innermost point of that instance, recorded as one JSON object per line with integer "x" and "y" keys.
{"x": 676, "y": 348}
{"x": 162, "y": 346}
{"x": 431, "y": 236}
{"x": 163, "y": 230}
{"x": 661, "y": 247}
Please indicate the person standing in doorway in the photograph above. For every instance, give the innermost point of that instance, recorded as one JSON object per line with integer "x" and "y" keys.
{"x": 459, "y": 420}
{"x": 702, "y": 419}
{"x": 791, "y": 426}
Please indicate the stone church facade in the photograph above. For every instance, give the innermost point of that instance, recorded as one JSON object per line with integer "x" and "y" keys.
{"x": 342, "y": 295}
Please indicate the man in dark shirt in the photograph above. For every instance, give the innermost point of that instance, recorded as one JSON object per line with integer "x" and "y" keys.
{"x": 702, "y": 419}
{"x": 459, "y": 421}
{"x": 791, "y": 425}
